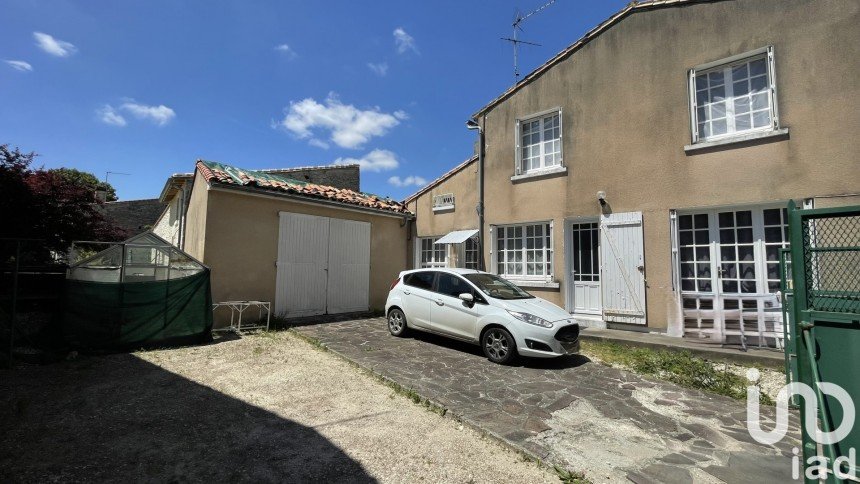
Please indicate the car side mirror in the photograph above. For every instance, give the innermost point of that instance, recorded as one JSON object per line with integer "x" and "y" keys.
{"x": 468, "y": 298}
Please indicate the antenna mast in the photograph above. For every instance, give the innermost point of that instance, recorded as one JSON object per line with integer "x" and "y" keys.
{"x": 518, "y": 19}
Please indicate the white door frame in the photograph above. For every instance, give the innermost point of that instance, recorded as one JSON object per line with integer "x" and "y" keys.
{"x": 569, "y": 293}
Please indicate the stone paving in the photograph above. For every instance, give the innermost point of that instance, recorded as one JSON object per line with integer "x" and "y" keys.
{"x": 612, "y": 424}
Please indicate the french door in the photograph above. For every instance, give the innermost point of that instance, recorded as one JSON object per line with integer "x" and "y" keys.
{"x": 728, "y": 268}
{"x": 584, "y": 264}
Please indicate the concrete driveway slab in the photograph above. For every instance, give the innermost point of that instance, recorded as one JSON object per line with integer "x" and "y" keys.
{"x": 612, "y": 424}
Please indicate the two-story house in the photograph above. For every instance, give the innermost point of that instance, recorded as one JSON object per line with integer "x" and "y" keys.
{"x": 639, "y": 178}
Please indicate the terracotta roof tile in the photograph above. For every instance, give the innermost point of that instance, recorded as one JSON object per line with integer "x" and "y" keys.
{"x": 214, "y": 172}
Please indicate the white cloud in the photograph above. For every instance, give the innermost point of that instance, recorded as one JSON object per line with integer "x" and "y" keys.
{"x": 159, "y": 115}
{"x": 409, "y": 180}
{"x": 287, "y": 51}
{"x": 55, "y": 47}
{"x": 404, "y": 42}
{"x": 19, "y": 65}
{"x": 108, "y": 115}
{"x": 380, "y": 69}
{"x": 376, "y": 160}
{"x": 318, "y": 143}
{"x": 349, "y": 127}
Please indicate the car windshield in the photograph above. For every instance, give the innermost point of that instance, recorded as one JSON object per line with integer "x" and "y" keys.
{"x": 496, "y": 287}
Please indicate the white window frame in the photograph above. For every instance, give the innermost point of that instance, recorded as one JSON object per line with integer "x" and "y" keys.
{"x": 768, "y": 54}
{"x": 443, "y": 201}
{"x": 518, "y": 158}
{"x": 494, "y": 253}
{"x": 434, "y": 263}
{"x": 464, "y": 250}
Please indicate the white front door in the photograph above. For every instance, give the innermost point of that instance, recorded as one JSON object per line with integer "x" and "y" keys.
{"x": 323, "y": 266}
{"x": 583, "y": 263}
{"x": 623, "y": 262}
{"x": 300, "y": 284}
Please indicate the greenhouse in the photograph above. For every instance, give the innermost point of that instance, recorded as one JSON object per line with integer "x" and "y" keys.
{"x": 142, "y": 292}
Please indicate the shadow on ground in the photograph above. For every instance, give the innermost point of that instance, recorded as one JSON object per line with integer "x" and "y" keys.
{"x": 559, "y": 363}
{"x": 117, "y": 417}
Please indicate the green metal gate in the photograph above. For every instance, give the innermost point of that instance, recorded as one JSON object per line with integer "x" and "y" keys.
{"x": 821, "y": 288}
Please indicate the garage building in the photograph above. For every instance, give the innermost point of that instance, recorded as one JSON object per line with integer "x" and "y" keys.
{"x": 308, "y": 248}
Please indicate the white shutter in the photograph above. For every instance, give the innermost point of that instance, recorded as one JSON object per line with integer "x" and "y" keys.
{"x": 622, "y": 262}
{"x": 694, "y": 124}
{"x": 518, "y": 154}
{"x": 561, "y": 137}
{"x": 771, "y": 74}
{"x": 676, "y": 262}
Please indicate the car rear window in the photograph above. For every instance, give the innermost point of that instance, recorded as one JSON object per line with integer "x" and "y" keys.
{"x": 421, "y": 280}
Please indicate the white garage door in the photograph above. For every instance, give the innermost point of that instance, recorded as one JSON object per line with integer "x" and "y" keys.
{"x": 323, "y": 266}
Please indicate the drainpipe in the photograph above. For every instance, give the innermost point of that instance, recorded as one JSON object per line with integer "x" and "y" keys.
{"x": 473, "y": 125}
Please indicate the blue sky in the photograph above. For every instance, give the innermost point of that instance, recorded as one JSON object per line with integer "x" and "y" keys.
{"x": 147, "y": 87}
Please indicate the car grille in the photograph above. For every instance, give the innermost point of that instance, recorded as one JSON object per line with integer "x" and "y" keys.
{"x": 568, "y": 334}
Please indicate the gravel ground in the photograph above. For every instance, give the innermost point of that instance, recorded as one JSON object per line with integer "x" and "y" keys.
{"x": 261, "y": 408}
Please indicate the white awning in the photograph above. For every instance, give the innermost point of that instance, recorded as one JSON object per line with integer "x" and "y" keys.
{"x": 457, "y": 236}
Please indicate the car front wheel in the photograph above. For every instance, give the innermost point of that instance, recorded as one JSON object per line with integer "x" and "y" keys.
{"x": 499, "y": 346}
{"x": 396, "y": 322}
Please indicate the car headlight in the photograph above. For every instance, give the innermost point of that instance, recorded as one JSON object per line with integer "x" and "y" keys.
{"x": 531, "y": 319}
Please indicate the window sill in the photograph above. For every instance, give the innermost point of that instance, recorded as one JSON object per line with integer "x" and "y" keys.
{"x": 535, "y": 284}
{"x": 736, "y": 139}
{"x": 540, "y": 173}
{"x": 444, "y": 208}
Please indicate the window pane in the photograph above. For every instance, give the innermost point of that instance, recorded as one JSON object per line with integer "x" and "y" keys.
{"x": 745, "y": 236}
{"x": 757, "y": 67}
{"x": 715, "y": 78}
{"x": 701, "y": 221}
{"x": 727, "y": 253}
{"x": 743, "y": 122}
{"x": 702, "y": 237}
{"x": 739, "y": 71}
{"x": 719, "y": 127}
{"x": 760, "y": 101}
{"x": 761, "y": 119}
{"x": 703, "y": 253}
{"x": 701, "y": 81}
{"x": 744, "y": 218}
{"x": 771, "y": 216}
{"x": 742, "y": 104}
{"x": 759, "y": 84}
{"x": 718, "y": 110}
{"x": 745, "y": 252}
{"x": 685, "y": 222}
{"x": 718, "y": 94}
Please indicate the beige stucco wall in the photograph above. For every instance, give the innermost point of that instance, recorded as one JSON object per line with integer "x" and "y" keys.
{"x": 242, "y": 244}
{"x": 464, "y": 185}
{"x": 626, "y": 121}
{"x": 195, "y": 231}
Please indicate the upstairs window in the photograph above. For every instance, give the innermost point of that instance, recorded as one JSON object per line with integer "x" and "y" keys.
{"x": 539, "y": 142}
{"x": 734, "y": 97}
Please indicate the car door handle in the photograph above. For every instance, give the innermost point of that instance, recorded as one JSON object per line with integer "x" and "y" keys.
{"x": 407, "y": 292}
{"x": 440, "y": 302}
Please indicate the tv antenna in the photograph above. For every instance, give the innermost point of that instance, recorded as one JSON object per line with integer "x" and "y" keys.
{"x": 515, "y": 40}
{"x": 109, "y": 173}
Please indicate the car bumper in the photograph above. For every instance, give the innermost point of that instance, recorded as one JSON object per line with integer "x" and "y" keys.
{"x": 549, "y": 342}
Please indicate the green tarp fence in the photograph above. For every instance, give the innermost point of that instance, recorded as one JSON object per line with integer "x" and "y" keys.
{"x": 130, "y": 315}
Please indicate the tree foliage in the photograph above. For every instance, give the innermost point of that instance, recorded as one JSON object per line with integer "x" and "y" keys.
{"x": 51, "y": 205}
{"x": 87, "y": 179}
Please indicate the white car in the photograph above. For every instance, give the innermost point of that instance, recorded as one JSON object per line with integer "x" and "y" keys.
{"x": 480, "y": 308}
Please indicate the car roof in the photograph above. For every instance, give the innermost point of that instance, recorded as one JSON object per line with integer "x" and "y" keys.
{"x": 452, "y": 270}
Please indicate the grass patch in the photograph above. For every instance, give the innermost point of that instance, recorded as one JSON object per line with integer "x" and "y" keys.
{"x": 679, "y": 367}
{"x": 570, "y": 477}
